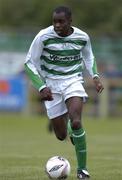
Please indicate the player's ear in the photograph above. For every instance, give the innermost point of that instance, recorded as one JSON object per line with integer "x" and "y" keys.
{"x": 70, "y": 20}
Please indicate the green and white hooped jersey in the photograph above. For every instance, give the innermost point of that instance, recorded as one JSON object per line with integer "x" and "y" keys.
{"x": 52, "y": 56}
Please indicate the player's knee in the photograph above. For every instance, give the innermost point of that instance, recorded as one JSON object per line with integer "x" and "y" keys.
{"x": 76, "y": 124}
{"x": 61, "y": 137}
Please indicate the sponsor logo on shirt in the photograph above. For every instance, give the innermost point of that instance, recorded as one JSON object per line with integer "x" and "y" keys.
{"x": 66, "y": 58}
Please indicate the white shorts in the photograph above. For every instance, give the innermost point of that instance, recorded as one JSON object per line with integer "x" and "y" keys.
{"x": 61, "y": 91}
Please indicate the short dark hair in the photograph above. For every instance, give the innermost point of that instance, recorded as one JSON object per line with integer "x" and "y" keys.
{"x": 64, "y": 9}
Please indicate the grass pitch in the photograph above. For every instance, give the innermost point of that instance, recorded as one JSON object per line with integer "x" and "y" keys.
{"x": 26, "y": 145}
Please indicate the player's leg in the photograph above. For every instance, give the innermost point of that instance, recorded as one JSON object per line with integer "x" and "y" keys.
{"x": 59, "y": 125}
{"x": 75, "y": 106}
{"x": 57, "y": 113}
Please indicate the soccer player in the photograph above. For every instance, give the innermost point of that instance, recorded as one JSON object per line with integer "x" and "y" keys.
{"x": 54, "y": 64}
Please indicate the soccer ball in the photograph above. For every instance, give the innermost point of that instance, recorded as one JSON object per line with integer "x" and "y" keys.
{"x": 58, "y": 167}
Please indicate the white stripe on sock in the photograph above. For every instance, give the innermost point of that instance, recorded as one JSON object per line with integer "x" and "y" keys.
{"x": 77, "y": 136}
{"x": 84, "y": 150}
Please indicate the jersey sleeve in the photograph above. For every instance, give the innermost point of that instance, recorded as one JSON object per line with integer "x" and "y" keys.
{"x": 89, "y": 59}
{"x": 32, "y": 64}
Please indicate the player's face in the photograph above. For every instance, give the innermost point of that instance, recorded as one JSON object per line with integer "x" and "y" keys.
{"x": 62, "y": 24}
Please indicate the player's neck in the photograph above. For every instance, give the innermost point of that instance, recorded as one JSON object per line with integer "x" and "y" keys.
{"x": 68, "y": 33}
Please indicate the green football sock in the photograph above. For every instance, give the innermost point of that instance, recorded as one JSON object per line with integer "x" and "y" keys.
{"x": 80, "y": 147}
{"x": 69, "y": 129}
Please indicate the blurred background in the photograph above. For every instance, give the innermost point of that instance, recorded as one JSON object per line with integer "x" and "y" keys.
{"x": 21, "y": 20}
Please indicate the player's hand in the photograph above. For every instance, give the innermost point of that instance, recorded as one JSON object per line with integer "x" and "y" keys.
{"x": 98, "y": 85}
{"x": 46, "y": 94}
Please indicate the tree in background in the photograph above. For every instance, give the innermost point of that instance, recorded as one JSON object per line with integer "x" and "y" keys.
{"x": 99, "y": 16}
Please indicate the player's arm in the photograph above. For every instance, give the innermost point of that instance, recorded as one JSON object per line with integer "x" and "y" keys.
{"x": 91, "y": 65}
{"x": 31, "y": 64}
